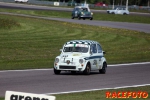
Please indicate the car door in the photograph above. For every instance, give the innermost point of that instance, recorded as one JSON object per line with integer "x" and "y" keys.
{"x": 119, "y": 11}
{"x": 100, "y": 54}
{"x": 94, "y": 57}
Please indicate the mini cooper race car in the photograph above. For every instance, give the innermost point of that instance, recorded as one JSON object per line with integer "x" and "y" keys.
{"x": 81, "y": 56}
{"x": 82, "y": 12}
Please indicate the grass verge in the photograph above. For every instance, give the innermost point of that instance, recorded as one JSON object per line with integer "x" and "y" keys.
{"x": 101, "y": 94}
{"x": 97, "y": 16}
{"x": 36, "y": 42}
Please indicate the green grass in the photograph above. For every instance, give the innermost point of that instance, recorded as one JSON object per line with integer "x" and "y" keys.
{"x": 97, "y": 16}
{"x": 8, "y": 23}
{"x": 35, "y": 42}
{"x": 101, "y": 94}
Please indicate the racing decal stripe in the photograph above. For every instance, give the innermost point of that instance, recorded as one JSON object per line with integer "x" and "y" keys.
{"x": 93, "y": 57}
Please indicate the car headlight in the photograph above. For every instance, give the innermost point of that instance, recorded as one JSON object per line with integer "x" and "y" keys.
{"x": 91, "y": 13}
{"x": 80, "y": 61}
{"x": 56, "y": 60}
{"x": 82, "y": 13}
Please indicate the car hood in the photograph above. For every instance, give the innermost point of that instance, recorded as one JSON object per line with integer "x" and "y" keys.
{"x": 75, "y": 55}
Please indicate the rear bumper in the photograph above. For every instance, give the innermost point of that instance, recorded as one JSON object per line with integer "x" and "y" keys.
{"x": 86, "y": 16}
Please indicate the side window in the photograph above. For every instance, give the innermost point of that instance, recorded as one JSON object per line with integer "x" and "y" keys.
{"x": 93, "y": 48}
{"x": 99, "y": 48}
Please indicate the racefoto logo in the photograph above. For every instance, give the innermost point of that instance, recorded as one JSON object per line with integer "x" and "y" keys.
{"x": 12, "y": 95}
{"x": 128, "y": 94}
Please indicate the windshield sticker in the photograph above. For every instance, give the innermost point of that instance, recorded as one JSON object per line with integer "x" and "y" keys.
{"x": 76, "y": 45}
{"x": 81, "y": 45}
{"x": 76, "y": 54}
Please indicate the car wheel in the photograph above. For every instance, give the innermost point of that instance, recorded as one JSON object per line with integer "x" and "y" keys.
{"x": 87, "y": 70}
{"x": 124, "y": 14}
{"x": 57, "y": 71}
{"x": 83, "y": 18}
{"x": 79, "y": 17}
{"x": 112, "y": 13}
{"x": 91, "y": 18}
{"x": 103, "y": 70}
{"x": 72, "y": 17}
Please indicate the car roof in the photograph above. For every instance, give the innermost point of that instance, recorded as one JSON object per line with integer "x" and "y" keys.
{"x": 89, "y": 42}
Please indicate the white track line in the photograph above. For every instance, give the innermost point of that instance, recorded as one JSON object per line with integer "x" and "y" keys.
{"x": 140, "y": 63}
{"x": 24, "y": 70}
{"x": 127, "y": 64}
{"x": 79, "y": 91}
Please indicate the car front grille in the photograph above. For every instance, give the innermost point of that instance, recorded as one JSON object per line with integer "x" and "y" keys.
{"x": 67, "y": 67}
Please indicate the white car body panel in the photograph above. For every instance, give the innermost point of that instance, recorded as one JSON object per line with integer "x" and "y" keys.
{"x": 122, "y": 11}
{"x": 69, "y": 61}
{"x": 21, "y": 0}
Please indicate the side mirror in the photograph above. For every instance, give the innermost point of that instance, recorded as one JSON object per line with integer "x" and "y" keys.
{"x": 60, "y": 50}
{"x": 104, "y": 52}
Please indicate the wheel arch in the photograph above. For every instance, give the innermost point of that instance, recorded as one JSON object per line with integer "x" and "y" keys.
{"x": 88, "y": 63}
{"x": 105, "y": 63}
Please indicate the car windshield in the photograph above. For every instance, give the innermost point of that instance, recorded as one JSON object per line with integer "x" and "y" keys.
{"x": 83, "y": 9}
{"x": 76, "y": 48}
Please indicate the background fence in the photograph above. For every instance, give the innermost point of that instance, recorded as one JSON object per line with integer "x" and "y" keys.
{"x": 49, "y": 3}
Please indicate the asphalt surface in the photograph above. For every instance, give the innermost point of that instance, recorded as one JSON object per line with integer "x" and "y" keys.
{"x": 35, "y": 7}
{"x": 124, "y": 25}
{"x": 45, "y": 82}
{"x": 131, "y": 26}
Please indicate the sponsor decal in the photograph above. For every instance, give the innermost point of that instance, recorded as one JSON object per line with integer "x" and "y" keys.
{"x": 12, "y": 95}
{"x": 127, "y": 94}
{"x": 68, "y": 61}
{"x": 76, "y": 54}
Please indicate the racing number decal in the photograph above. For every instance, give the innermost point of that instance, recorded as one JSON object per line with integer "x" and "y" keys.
{"x": 94, "y": 62}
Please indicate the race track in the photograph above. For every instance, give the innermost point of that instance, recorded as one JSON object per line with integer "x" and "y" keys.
{"x": 124, "y": 25}
{"x": 45, "y": 82}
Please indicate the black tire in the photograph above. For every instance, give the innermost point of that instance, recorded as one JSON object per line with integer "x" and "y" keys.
{"x": 79, "y": 17}
{"x": 57, "y": 71}
{"x": 83, "y": 18}
{"x": 103, "y": 70}
{"x": 124, "y": 14}
{"x": 112, "y": 13}
{"x": 72, "y": 17}
{"x": 91, "y": 18}
{"x": 87, "y": 70}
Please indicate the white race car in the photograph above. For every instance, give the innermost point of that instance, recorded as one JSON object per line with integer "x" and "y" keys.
{"x": 118, "y": 10}
{"x": 21, "y": 0}
{"x": 81, "y": 56}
